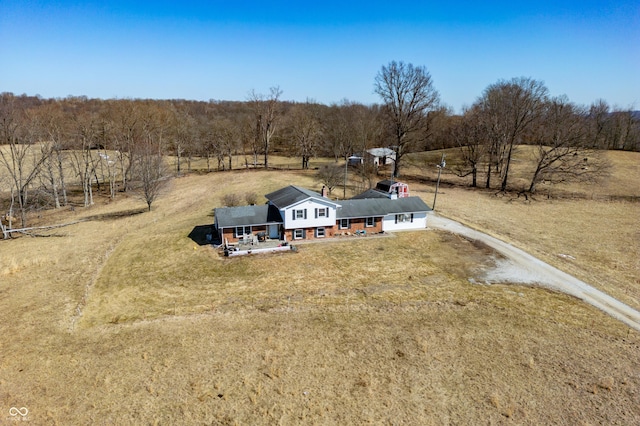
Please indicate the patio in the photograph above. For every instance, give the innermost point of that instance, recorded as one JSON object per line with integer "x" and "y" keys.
{"x": 255, "y": 245}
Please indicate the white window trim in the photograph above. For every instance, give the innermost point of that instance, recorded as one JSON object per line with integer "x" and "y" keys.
{"x": 324, "y": 232}
{"x": 404, "y": 217}
{"x": 322, "y": 212}
{"x": 295, "y": 234}
{"x": 370, "y": 219}
{"x": 243, "y": 230}
{"x": 344, "y": 227}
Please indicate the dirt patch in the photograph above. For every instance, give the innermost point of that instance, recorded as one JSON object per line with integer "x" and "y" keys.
{"x": 507, "y": 271}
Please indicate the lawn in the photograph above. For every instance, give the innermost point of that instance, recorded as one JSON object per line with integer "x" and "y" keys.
{"x": 123, "y": 319}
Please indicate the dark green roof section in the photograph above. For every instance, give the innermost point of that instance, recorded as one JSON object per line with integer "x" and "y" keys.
{"x": 229, "y": 217}
{"x": 376, "y": 207}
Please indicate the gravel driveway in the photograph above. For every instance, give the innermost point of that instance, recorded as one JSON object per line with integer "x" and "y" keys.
{"x": 521, "y": 267}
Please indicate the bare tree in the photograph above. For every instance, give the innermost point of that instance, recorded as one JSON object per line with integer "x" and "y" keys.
{"x": 151, "y": 171}
{"x": 509, "y": 109}
{"x": 54, "y": 132}
{"x": 338, "y": 138}
{"x": 598, "y": 120}
{"x": 469, "y": 135}
{"x": 561, "y": 140}
{"x": 5, "y": 219}
{"x": 126, "y": 131}
{"x": 182, "y": 128}
{"x": 225, "y": 141}
{"x": 23, "y": 156}
{"x": 330, "y": 175}
{"x": 365, "y": 175}
{"x": 83, "y": 161}
{"x": 624, "y": 130}
{"x": 305, "y": 131}
{"x": 267, "y": 111}
{"x": 367, "y": 128}
{"x": 408, "y": 95}
{"x": 613, "y": 128}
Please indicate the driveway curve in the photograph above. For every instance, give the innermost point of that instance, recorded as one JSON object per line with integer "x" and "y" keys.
{"x": 541, "y": 273}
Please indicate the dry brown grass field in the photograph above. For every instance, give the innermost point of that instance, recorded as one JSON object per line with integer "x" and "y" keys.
{"x": 124, "y": 319}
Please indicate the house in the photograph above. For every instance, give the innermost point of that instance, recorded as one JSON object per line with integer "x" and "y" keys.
{"x": 294, "y": 213}
{"x": 381, "y": 156}
{"x": 305, "y": 214}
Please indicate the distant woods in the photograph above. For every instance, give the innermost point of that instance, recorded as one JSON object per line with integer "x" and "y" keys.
{"x": 51, "y": 149}
{"x": 568, "y": 138}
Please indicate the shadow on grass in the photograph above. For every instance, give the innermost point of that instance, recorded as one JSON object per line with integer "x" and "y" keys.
{"x": 199, "y": 235}
{"x": 118, "y": 215}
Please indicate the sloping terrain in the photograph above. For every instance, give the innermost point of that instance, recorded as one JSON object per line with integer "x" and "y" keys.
{"x": 123, "y": 319}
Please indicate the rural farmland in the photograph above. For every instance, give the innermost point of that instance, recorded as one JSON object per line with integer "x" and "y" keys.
{"x": 123, "y": 318}
{"x": 328, "y": 213}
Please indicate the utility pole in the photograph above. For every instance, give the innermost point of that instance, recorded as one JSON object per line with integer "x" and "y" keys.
{"x": 344, "y": 188}
{"x": 440, "y": 167}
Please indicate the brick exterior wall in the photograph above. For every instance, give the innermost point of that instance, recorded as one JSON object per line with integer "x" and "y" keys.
{"x": 360, "y": 225}
{"x": 310, "y": 233}
{"x": 332, "y": 231}
{"x": 229, "y": 233}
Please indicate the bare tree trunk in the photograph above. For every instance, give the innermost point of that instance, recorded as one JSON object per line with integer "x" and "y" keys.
{"x": 474, "y": 175}
{"x": 489, "y": 165}
{"x": 125, "y": 169}
{"x": 63, "y": 186}
{"x": 506, "y": 170}
{"x": 534, "y": 180}
{"x": 54, "y": 185}
{"x": 178, "y": 155}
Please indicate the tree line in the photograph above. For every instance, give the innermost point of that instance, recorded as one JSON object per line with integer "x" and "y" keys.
{"x": 568, "y": 138}
{"x": 50, "y": 148}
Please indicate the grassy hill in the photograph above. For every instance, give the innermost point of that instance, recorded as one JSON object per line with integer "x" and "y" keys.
{"x": 123, "y": 319}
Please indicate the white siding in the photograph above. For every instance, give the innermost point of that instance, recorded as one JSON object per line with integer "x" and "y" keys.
{"x": 310, "y": 221}
{"x": 419, "y": 222}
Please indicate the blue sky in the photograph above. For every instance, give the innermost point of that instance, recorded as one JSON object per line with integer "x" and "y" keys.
{"x": 326, "y": 51}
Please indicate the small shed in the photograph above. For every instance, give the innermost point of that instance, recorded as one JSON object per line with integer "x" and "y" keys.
{"x": 355, "y": 160}
{"x": 381, "y": 156}
{"x": 393, "y": 188}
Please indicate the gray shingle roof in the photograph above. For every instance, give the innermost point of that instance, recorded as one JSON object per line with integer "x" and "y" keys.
{"x": 291, "y": 195}
{"x": 371, "y": 193}
{"x": 376, "y": 207}
{"x": 227, "y": 217}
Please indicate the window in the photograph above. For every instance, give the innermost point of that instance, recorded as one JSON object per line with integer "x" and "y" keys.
{"x": 322, "y": 212}
{"x": 299, "y": 214}
{"x": 298, "y": 234}
{"x": 319, "y": 232}
{"x": 344, "y": 223}
{"x": 370, "y": 222}
{"x": 405, "y": 217}
{"x": 242, "y": 230}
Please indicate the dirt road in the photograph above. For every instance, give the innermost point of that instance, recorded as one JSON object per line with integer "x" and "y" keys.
{"x": 521, "y": 267}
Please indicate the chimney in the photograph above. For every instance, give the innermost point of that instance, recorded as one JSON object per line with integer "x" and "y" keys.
{"x": 324, "y": 191}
